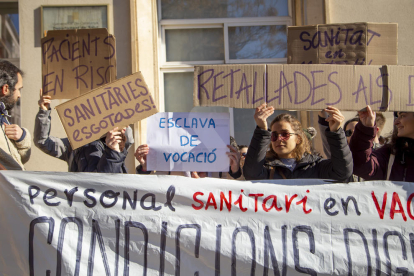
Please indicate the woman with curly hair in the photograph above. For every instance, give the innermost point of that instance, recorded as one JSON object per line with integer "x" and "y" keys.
{"x": 390, "y": 162}
{"x": 290, "y": 155}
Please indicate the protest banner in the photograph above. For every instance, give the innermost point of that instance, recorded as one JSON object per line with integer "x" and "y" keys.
{"x": 117, "y": 104}
{"x": 310, "y": 87}
{"x": 343, "y": 43}
{"x": 116, "y": 224}
{"x": 77, "y": 61}
{"x": 188, "y": 142}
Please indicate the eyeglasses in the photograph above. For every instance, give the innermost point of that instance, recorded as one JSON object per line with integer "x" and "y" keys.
{"x": 244, "y": 154}
{"x": 283, "y": 136}
{"x": 348, "y": 133}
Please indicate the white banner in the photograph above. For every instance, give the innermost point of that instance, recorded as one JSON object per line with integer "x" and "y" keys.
{"x": 111, "y": 224}
{"x": 180, "y": 141}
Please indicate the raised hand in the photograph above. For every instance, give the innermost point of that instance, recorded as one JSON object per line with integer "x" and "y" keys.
{"x": 234, "y": 159}
{"x": 141, "y": 155}
{"x": 261, "y": 114}
{"x": 367, "y": 116}
{"x": 113, "y": 139}
{"x": 335, "y": 118}
{"x": 123, "y": 140}
{"x": 44, "y": 101}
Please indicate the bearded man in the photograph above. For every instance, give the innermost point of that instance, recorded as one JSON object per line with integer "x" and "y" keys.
{"x": 15, "y": 143}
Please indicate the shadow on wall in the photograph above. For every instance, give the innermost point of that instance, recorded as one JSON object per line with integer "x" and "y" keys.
{"x": 36, "y": 27}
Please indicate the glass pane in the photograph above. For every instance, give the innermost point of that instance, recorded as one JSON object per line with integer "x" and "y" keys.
{"x": 254, "y": 42}
{"x": 178, "y": 94}
{"x": 244, "y": 124}
{"x": 190, "y": 9}
{"x": 74, "y": 17}
{"x": 194, "y": 44}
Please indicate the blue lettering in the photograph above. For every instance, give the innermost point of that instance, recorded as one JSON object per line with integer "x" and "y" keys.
{"x": 194, "y": 123}
{"x": 193, "y": 139}
{"x": 185, "y": 123}
{"x": 176, "y": 123}
{"x": 162, "y": 120}
{"x": 203, "y": 125}
{"x": 182, "y": 157}
{"x": 211, "y": 123}
{"x": 167, "y": 158}
{"x": 170, "y": 123}
{"x": 181, "y": 140}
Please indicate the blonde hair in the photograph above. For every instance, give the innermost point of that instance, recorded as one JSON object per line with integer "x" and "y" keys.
{"x": 304, "y": 144}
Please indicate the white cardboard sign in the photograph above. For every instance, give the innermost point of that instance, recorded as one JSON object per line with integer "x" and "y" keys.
{"x": 180, "y": 141}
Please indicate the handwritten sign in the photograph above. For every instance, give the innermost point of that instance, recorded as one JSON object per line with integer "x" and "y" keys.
{"x": 117, "y": 224}
{"x": 188, "y": 142}
{"x": 117, "y": 104}
{"x": 344, "y": 43}
{"x": 77, "y": 61}
{"x": 308, "y": 87}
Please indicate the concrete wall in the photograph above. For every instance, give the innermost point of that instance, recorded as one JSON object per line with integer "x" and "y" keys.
{"x": 30, "y": 63}
{"x": 400, "y": 12}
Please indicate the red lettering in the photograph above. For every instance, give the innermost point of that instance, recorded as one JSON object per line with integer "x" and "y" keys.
{"x": 223, "y": 198}
{"x": 273, "y": 205}
{"x": 396, "y": 200}
{"x": 239, "y": 202}
{"x": 289, "y": 202}
{"x": 303, "y": 201}
{"x": 198, "y": 201}
{"x": 384, "y": 203}
{"x": 256, "y": 196}
{"x": 211, "y": 201}
{"x": 410, "y": 198}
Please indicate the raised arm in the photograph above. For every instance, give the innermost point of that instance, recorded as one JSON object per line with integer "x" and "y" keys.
{"x": 339, "y": 166}
{"x": 53, "y": 146}
{"x": 368, "y": 164}
{"x": 256, "y": 154}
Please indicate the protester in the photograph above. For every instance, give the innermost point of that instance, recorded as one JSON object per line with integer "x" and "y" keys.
{"x": 349, "y": 128}
{"x": 15, "y": 145}
{"x": 390, "y": 162}
{"x": 104, "y": 155}
{"x": 290, "y": 154}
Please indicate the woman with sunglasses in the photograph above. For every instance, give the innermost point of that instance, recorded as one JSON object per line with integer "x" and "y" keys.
{"x": 290, "y": 154}
{"x": 391, "y": 161}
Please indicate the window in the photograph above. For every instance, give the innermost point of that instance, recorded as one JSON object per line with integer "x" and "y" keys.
{"x": 10, "y": 44}
{"x": 194, "y": 32}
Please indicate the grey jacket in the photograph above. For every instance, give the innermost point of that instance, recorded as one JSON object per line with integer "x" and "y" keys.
{"x": 93, "y": 157}
{"x": 339, "y": 167}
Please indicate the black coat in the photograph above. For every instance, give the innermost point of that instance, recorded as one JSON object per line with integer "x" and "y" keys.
{"x": 339, "y": 167}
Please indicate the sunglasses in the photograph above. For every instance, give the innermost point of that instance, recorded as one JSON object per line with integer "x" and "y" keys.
{"x": 348, "y": 133}
{"x": 283, "y": 136}
{"x": 244, "y": 154}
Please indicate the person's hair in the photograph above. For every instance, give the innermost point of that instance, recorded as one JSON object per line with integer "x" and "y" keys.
{"x": 8, "y": 74}
{"x": 355, "y": 119}
{"x": 242, "y": 146}
{"x": 303, "y": 147}
{"x": 380, "y": 121}
{"x": 399, "y": 145}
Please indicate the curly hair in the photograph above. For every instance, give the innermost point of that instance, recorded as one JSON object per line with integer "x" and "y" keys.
{"x": 304, "y": 146}
{"x": 8, "y": 74}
